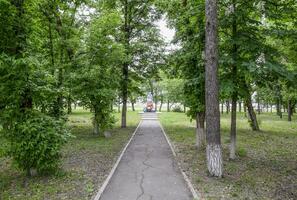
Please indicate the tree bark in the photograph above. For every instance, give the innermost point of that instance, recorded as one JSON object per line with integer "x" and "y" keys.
{"x": 239, "y": 106}
{"x": 19, "y": 32}
{"x": 289, "y": 110}
{"x": 69, "y": 108}
{"x": 252, "y": 114}
{"x": 258, "y": 104}
{"x": 125, "y": 97}
{"x": 200, "y": 130}
{"x": 133, "y": 108}
{"x": 95, "y": 121}
{"x": 233, "y": 127}
{"x": 234, "y": 93}
{"x": 227, "y": 107}
{"x": 156, "y": 103}
{"x": 278, "y": 102}
{"x": 213, "y": 136}
{"x": 160, "y": 108}
{"x": 168, "y": 106}
{"x": 125, "y": 70}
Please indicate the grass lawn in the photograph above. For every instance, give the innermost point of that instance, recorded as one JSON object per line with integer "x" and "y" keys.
{"x": 87, "y": 160}
{"x": 266, "y": 166}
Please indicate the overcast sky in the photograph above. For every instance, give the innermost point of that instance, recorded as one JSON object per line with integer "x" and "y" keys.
{"x": 167, "y": 33}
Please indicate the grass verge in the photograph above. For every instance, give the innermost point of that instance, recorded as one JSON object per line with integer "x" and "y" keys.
{"x": 266, "y": 164}
{"x": 87, "y": 160}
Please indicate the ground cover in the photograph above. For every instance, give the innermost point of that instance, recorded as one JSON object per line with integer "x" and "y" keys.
{"x": 266, "y": 164}
{"x": 87, "y": 160}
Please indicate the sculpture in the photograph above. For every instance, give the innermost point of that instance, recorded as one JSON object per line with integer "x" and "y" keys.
{"x": 149, "y": 103}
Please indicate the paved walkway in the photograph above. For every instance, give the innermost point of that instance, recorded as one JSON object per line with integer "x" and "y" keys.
{"x": 147, "y": 170}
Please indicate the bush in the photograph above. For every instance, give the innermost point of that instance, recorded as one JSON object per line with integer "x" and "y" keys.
{"x": 177, "y": 109}
{"x": 35, "y": 142}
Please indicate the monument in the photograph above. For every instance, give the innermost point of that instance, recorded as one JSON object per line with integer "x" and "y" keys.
{"x": 149, "y": 103}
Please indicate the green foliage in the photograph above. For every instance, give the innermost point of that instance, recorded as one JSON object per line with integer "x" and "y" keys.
{"x": 177, "y": 109}
{"x": 187, "y": 62}
{"x": 97, "y": 78}
{"x": 241, "y": 152}
{"x": 35, "y": 141}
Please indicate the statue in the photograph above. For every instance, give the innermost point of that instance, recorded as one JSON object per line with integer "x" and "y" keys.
{"x": 149, "y": 97}
{"x": 149, "y": 103}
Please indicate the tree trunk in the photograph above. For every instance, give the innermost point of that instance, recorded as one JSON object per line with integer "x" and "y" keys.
{"x": 213, "y": 136}
{"x": 233, "y": 127}
{"x": 160, "y": 108}
{"x": 20, "y": 34}
{"x": 271, "y": 106}
{"x": 278, "y": 109}
{"x": 278, "y": 102}
{"x": 168, "y": 106}
{"x": 125, "y": 72}
{"x": 125, "y": 96}
{"x": 133, "y": 108}
{"x": 258, "y": 105}
{"x": 222, "y": 108}
{"x": 95, "y": 121}
{"x": 59, "y": 102}
{"x": 252, "y": 115}
{"x": 289, "y": 110}
{"x": 239, "y": 106}
{"x": 51, "y": 46}
{"x": 227, "y": 107}
{"x": 234, "y": 94}
{"x": 69, "y": 108}
{"x": 200, "y": 130}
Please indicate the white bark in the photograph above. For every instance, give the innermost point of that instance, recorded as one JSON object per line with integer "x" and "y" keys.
{"x": 214, "y": 160}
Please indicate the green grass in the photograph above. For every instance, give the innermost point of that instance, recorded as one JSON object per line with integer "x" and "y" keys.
{"x": 266, "y": 164}
{"x": 87, "y": 160}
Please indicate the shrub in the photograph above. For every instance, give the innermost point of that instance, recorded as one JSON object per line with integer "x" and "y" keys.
{"x": 35, "y": 142}
{"x": 177, "y": 109}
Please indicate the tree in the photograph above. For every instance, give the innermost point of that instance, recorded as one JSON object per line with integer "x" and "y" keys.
{"x": 188, "y": 60}
{"x": 141, "y": 42}
{"x": 35, "y": 138}
{"x": 213, "y": 137}
{"x": 97, "y": 78}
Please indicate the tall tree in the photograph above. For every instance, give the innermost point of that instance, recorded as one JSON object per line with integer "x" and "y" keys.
{"x": 141, "y": 40}
{"x": 188, "y": 59}
{"x": 213, "y": 137}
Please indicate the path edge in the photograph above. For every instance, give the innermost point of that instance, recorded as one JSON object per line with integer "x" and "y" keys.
{"x": 107, "y": 180}
{"x": 195, "y": 194}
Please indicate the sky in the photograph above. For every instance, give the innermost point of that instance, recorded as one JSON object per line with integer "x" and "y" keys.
{"x": 166, "y": 32}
